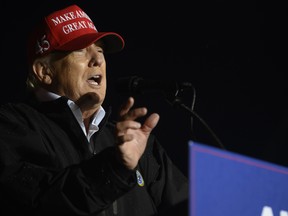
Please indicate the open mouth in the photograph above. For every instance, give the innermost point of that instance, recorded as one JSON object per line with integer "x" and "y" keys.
{"x": 95, "y": 80}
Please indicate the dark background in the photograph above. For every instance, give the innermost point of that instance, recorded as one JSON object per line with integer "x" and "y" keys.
{"x": 235, "y": 55}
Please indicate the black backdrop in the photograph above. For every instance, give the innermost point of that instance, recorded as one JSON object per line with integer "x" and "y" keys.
{"x": 234, "y": 55}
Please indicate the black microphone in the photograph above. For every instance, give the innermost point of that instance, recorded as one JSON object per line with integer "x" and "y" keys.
{"x": 138, "y": 85}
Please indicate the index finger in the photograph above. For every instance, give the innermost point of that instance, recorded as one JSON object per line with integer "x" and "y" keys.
{"x": 124, "y": 109}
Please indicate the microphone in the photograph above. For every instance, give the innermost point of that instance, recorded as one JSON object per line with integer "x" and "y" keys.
{"x": 138, "y": 85}
{"x": 173, "y": 89}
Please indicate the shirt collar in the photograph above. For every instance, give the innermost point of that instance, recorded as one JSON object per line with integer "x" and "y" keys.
{"x": 44, "y": 95}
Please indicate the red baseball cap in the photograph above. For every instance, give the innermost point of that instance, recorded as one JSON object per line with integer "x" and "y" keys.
{"x": 67, "y": 30}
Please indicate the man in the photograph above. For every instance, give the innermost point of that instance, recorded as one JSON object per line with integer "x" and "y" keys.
{"x": 59, "y": 153}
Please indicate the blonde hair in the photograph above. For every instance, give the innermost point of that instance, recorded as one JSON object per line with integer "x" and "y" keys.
{"x": 31, "y": 80}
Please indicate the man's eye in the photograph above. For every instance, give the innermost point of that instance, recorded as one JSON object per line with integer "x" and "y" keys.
{"x": 100, "y": 50}
{"x": 80, "y": 50}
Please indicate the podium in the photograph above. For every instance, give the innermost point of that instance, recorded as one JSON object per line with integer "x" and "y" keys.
{"x": 224, "y": 183}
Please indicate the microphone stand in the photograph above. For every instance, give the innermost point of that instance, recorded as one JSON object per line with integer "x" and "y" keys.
{"x": 176, "y": 101}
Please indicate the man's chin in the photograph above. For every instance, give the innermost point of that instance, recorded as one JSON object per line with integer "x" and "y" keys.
{"x": 89, "y": 101}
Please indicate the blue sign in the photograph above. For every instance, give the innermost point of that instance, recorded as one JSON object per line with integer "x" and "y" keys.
{"x": 224, "y": 183}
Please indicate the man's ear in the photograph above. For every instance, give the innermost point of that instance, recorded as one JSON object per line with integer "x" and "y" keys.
{"x": 42, "y": 72}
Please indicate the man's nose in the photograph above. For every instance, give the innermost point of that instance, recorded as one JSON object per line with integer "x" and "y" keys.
{"x": 96, "y": 59}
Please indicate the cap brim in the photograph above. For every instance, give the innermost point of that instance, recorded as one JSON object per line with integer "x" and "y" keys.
{"x": 113, "y": 42}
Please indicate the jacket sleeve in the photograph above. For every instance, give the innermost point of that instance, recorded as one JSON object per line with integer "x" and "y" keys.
{"x": 167, "y": 185}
